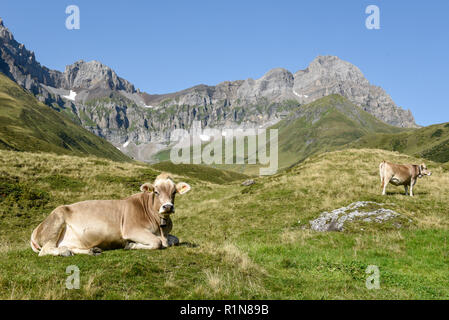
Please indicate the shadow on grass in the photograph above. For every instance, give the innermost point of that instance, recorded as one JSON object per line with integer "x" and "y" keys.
{"x": 188, "y": 244}
{"x": 392, "y": 193}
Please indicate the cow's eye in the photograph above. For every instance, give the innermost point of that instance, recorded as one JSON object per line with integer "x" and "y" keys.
{"x": 156, "y": 193}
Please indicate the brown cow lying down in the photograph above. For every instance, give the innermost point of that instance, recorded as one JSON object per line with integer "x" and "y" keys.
{"x": 401, "y": 174}
{"x": 141, "y": 221}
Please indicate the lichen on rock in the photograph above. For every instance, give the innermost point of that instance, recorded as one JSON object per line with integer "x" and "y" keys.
{"x": 360, "y": 211}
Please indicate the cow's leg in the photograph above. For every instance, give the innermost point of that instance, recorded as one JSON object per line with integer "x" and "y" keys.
{"x": 172, "y": 240}
{"x": 49, "y": 232}
{"x": 92, "y": 251}
{"x": 406, "y": 189}
{"x": 412, "y": 183}
{"x": 381, "y": 173}
{"x": 385, "y": 181}
{"x": 50, "y": 249}
{"x": 142, "y": 239}
{"x": 164, "y": 240}
{"x": 138, "y": 246}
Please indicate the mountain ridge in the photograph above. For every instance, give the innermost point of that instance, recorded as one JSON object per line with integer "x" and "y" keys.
{"x": 140, "y": 124}
{"x": 301, "y": 86}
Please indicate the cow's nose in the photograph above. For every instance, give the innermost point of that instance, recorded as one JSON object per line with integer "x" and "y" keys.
{"x": 167, "y": 207}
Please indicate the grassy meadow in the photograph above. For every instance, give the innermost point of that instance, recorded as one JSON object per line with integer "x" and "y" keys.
{"x": 236, "y": 242}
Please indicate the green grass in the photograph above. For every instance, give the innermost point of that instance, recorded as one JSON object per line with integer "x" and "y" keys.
{"x": 236, "y": 242}
{"x": 28, "y": 125}
{"x": 200, "y": 172}
{"x": 430, "y": 142}
{"x": 324, "y": 125}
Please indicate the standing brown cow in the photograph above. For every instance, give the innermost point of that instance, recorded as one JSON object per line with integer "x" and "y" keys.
{"x": 401, "y": 174}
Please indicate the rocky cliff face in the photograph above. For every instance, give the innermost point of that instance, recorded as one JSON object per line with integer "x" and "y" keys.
{"x": 324, "y": 76}
{"x": 330, "y": 75}
{"x": 139, "y": 123}
{"x": 91, "y": 75}
{"x": 20, "y": 64}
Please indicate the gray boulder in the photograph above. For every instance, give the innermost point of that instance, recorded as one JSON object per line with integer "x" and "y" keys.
{"x": 249, "y": 182}
{"x": 366, "y": 211}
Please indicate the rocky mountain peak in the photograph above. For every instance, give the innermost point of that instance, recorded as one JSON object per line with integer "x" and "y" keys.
{"x": 327, "y": 75}
{"x": 5, "y": 34}
{"x": 20, "y": 64}
{"x": 274, "y": 85}
{"x": 94, "y": 74}
{"x": 327, "y": 60}
{"x": 333, "y": 68}
{"x": 277, "y": 73}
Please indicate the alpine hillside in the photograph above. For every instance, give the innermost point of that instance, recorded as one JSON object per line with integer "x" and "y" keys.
{"x": 28, "y": 125}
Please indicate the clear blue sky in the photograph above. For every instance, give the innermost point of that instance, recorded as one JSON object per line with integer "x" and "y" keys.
{"x": 165, "y": 46}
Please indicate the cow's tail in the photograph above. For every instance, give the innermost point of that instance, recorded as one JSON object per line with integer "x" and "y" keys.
{"x": 33, "y": 243}
{"x": 381, "y": 173}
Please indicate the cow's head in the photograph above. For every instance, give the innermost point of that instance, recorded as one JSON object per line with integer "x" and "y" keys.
{"x": 423, "y": 171}
{"x": 164, "y": 191}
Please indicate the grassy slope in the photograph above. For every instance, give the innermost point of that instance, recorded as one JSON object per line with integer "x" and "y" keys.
{"x": 28, "y": 125}
{"x": 324, "y": 125}
{"x": 236, "y": 242}
{"x": 200, "y": 172}
{"x": 430, "y": 142}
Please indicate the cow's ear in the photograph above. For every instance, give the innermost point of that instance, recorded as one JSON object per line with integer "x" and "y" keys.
{"x": 182, "y": 187}
{"x": 146, "y": 187}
